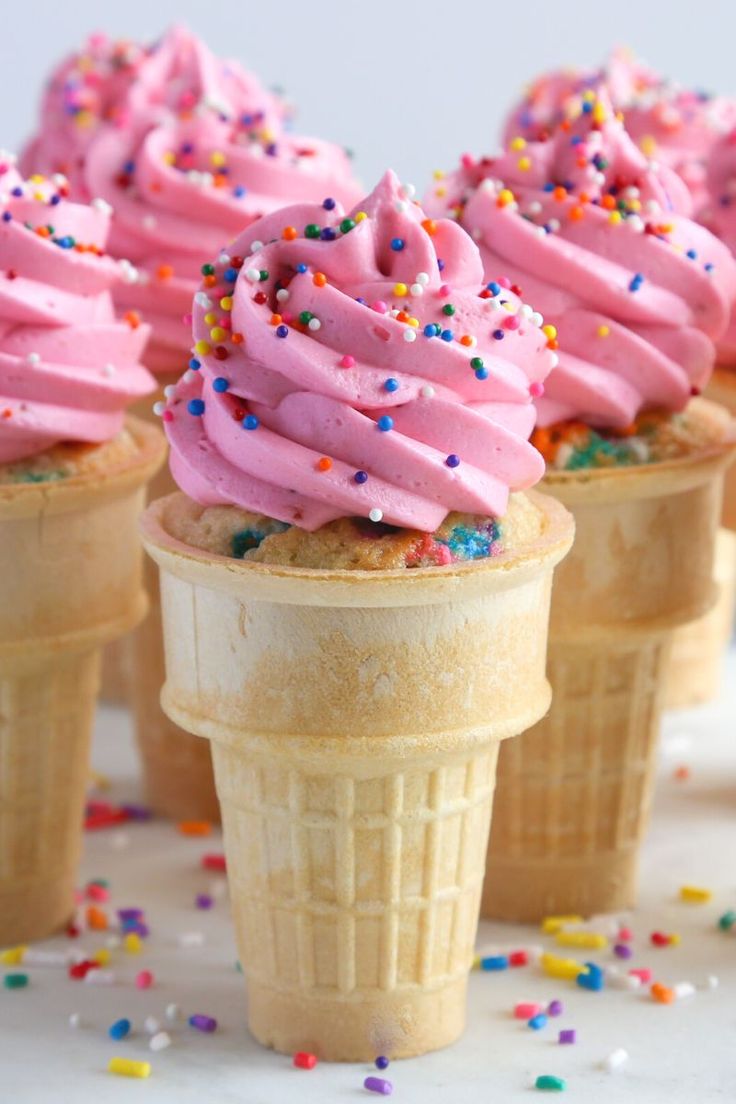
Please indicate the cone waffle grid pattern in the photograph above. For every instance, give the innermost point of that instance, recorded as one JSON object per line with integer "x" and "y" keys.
{"x": 350, "y": 886}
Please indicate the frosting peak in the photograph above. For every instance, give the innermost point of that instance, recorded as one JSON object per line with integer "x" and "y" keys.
{"x": 68, "y": 368}
{"x": 357, "y": 366}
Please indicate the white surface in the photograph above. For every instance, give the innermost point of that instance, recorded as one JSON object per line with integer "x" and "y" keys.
{"x": 409, "y": 85}
{"x": 678, "y": 1053}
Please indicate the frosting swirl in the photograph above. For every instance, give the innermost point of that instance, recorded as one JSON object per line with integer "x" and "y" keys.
{"x": 595, "y": 235}
{"x": 357, "y": 367}
{"x": 68, "y": 368}
{"x": 196, "y": 151}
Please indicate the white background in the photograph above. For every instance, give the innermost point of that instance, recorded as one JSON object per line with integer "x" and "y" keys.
{"x": 408, "y": 85}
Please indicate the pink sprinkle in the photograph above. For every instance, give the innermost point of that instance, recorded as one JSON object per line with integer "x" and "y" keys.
{"x": 512, "y": 322}
{"x": 187, "y": 319}
{"x": 443, "y": 554}
{"x": 379, "y": 306}
{"x": 445, "y": 289}
{"x": 536, "y": 390}
{"x": 467, "y": 160}
{"x": 144, "y": 980}
{"x": 625, "y": 935}
{"x": 643, "y": 973}
{"x": 347, "y": 361}
{"x": 167, "y": 416}
{"x": 526, "y": 1010}
{"x": 504, "y": 281}
{"x": 97, "y": 892}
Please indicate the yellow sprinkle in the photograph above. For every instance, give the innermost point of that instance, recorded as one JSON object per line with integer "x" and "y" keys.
{"x": 37, "y": 178}
{"x": 101, "y": 781}
{"x": 102, "y": 956}
{"x": 614, "y": 218}
{"x": 210, "y": 318}
{"x": 202, "y": 348}
{"x": 599, "y": 113}
{"x": 589, "y": 95}
{"x": 592, "y": 940}
{"x": 413, "y": 322}
{"x": 127, "y": 1067}
{"x": 218, "y": 159}
{"x": 552, "y": 924}
{"x": 84, "y": 118}
{"x": 38, "y": 196}
{"x": 648, "y": 145}
{"x": 133, "y": 943}
{"x": 226, "y": 303}
{"x": 400, "y": 289}
{"x": 169, "y": 157}
{"x": 695, "y": 894}
{"x": 517, "y": 144}
{"x": 505, "y": 196}
{"x": 566, "y": 968}
{"x": 675, "y": 939}
{"x": 635, "y": 205}
{"x": 360, "y": 216}
{"x": 476, "y": 962}
{"x": 13, "y": 956}
{"x": 604, "y": 331}
{"x": 549, "y": 332}
{"x": 524, "y": 163}
{"x": 218, "y": 334}
{"x": 439, "y": 174}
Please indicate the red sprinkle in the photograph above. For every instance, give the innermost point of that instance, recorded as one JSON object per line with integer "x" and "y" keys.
{"x": 518, "y": 958}
{"x": 305, "y": 1061}
{"x": 213, "y": 862}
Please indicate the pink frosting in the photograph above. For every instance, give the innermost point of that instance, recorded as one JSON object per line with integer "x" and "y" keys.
{"x": 313, "y": 329}
{"x": 195, "y": 152}
{"x": 719, "y": 214}
{"x": 588, "y": 227}
{"x": 68, "y": 368}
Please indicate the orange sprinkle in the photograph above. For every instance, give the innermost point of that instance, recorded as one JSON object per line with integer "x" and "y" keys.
{"x": 324, "y": 464}
{"x": 289, "y": 233}
{"x": 466, "y": 340}
{"x": 682, "y": 773}
{"x": 195, "y": 827}
{"x": 43, "y": 231}
{"x": 7, "y": 413}
{"x": 237, "y": 338}
{"x": 608, "y": 202}
{"x": 132, "y": 318}
{"x": 319, "y": 279}
{"x": 576, "y": 213}
{"x": 275, "y": 320}
{"x": 164, "y": 272}
{"x": 430, "y": 226}
{"x": 559, "y": 193}
{"x": 402, "y": 316}
{"x": 662, "y": 993}
{"x": 583, "y": 198}
{"x": 209, "y": 281}
{"x": 553, "y": 343}
{"x": 96, "y": 918}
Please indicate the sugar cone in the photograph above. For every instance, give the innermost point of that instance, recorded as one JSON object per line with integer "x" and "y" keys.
{"x": 70, "y": 580}
{"x": 722, "y": 389}
{"x": 178, "y": 780}
{"x": 355, "y": 719}
{"x": 696, "y": 663}
{"x": 573, "y": 794}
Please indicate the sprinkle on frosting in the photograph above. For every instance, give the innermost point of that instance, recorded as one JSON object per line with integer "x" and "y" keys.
{"x": 411, "y": 430}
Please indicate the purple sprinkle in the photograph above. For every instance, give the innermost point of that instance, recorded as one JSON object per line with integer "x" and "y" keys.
{"x": 137, "y": 812}
{"x": 622, "y": 951}
{"x": 203, "y": 901}
{"x": 202, "y": 1022}
{"x": 382, "y": 1062}
{"x": 130, "y": 914}
{"x": 555, "y": 1008}
{"x": 378, "y": 1085}
{"x": 567, "y": 1036}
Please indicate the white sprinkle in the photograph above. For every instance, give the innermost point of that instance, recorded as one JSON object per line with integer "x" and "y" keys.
{"x": 172, "y": 1012}
{"x": 189, "y": 376}
{"x": 476, "y": 233}
{"x": 562, "y": 456}
{"x": 375, "y": 514}
{"x": 191, "y": 939}
{"x": 252, "y": 274}
{"x": 109, "y": 370}
{"x": 151, "y": 1025}
{"x": 422, "y": 278}
{"x": 160, "y": 1041}
{"x": 615, "y": 1059}
{"x": 282, "y": 295}
{"x": 119, "y": 841}
{"x": 554, "y": 359}
{"x": 33, "y": 359}
{"x": 488, "y": 185}
{"x": 100, "y": 204}
{"x": 534, "y": 208}
{"x": 427, "y": 392}
{"x": 158, "y": 408}
{"x": 401, "y": 206}
{"x": 100, "y": 977}
{"x": 417, "y": 289}
{"x": 224, "y": 259}
{"x": 314, "y": 324}
{"x": 683, "y": 989}
{"x": 129, "y": 272}
{"x": 410, "y": 334}
{"x": 170, "y": 390}
{"x": 256, "y": 246}
{"x": 536, "y": 318}
{"x": 203, "y": 300}
{"x": 75, "y": 1020}
{"x": 526, "y": 311}
{"x": 633, "y": 222}
{"x": 711, "y": 982}
{"x": 113, "y": 942}
{"x": 553, "y": 224}
{"x": 36, "y": 956}
{"x": 408, "y": 191}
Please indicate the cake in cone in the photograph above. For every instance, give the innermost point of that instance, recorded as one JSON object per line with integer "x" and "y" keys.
{"x": 355, "y": 612}
{"x": 639, "y": 292}
{"x": 188, "y": 148}
{"x": 72, "y": 480}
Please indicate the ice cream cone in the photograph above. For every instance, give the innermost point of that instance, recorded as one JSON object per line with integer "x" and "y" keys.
{"x": 70, "y": 567}
{"x": 722, "y": 389}
{"x": 355, "y": 719}
{"x": 696, "y": 663}
{"x": 574, "y": 793}
{"x": 178, "y": 780}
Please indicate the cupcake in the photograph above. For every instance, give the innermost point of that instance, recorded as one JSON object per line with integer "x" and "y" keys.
{"x": 634, "y": 296}
{"x": 188, "y": 149}
{"x": 355, "y": 596}
{"x": 72, "y": 476}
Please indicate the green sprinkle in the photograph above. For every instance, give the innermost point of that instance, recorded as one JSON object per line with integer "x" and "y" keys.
{"x": 15, "y": 981}
{"x": 476, "y": 363}
{"x": 312, "y": 230}
{"x": 448, "y": 309}
{"x": 347, "y": 225}
{"x": 263, "y": 275}
{"x": 208, "y": 270}
{"x": 305, "y": 317}
{"x": 547, "y": 1083}
{"x": 727, "y": 921}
